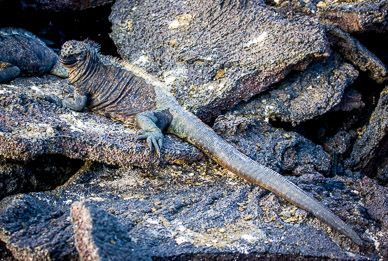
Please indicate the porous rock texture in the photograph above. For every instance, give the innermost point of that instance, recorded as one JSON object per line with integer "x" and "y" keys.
{"x": 30, "y": 127}
{"x": 350, "y": 15}
{"x": 182, "y": 212}
{"x": 370, "y": 150}
{"x": 304, "y": 95}
{"x": 60, "y": 5}
{"x": 356, "y": 53}
{"x": 214, "y": 54}
{"x": 282, "y": 151}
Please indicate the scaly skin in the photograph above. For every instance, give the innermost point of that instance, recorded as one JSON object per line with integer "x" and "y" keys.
{"x": 124, "y": 91}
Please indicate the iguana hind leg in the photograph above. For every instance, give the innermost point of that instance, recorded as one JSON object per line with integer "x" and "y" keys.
{"x": 151, "y": 124}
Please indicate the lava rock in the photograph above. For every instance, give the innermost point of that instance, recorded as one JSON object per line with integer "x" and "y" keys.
{"x": 360, "y": 16}
{"x": 174, "y": 211}
{"x": 30, "y": 127}
{"x": 370, "y": 150}
{"x": 353, "y": 16}
{"x": 60, "y": 6}
{"x": 24, "y": 50}
{"x": 304, "y": 95}
{"x": 351, "y": 100}
{"x": 375, "y": 199}
{"x": 356, "y": 53}
{"x": 100, "y": 235}
{"x": 284, "y": 152}
{"x": 214, "y": 54}
{"x": 26, "y": 233}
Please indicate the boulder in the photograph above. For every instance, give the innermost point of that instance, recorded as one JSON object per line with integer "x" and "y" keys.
{"x": 31, "y": 127}
{"x": 370, "y": 150}
{"x": 282, "y": 151}
{"x": 187, "y": 212}
{"x": 304, "y": 95}
{"x": 214, "y": 54}
{"x": 60, "y": 6}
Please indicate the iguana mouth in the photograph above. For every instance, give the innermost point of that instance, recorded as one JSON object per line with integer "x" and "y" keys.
{"x": 67, "y": 60}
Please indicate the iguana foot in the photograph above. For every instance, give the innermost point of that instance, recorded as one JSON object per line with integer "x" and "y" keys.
{"x": 56, "y": 101}
{"x": 154, "y": 140}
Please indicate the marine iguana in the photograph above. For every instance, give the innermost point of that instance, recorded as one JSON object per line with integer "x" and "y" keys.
{"x": 127, "y": 93}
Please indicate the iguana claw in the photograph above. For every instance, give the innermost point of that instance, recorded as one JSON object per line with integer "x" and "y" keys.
{"x": 154, "y": 140}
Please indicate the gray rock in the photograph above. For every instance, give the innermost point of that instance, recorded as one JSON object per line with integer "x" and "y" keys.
{"x": 189, "y": 211}
{"x": 214, "y": 54}
{"x": 24, "y": 50}
{"x": 375, "y": 199}
{"x": 357, "y": 16}
{"x": 351, "y": 100}
{"x": 60, "y": 6}
{"x": 100, "y": 235}
{"x": 356, "y": 53}
{"x": 350, "y": 15}
{"x": 30, "y": 127}
{"x": 370, "y": 149}
{"x": 284, "y": 152}
{"x": 304, "y": 95}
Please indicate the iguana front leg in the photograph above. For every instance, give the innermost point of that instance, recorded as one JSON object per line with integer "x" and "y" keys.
{"x": 151, "y": 124}
{"x": 78, "y": 103}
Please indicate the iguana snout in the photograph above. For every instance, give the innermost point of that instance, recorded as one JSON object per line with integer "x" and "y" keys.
{"x": 73, "y": 52}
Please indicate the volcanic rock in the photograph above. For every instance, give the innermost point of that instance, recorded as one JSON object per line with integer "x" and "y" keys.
{"x": 214, "y": 54}
{"x": 304, "y": 95}
{"x": 30, "y": 127}
{"x": 60, "y": 6}
{"x": 189, "y": 211}
{"x": 370, "y": 150}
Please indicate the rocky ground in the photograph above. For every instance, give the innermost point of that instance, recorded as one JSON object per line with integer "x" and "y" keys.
{"x": 299, "y": 86}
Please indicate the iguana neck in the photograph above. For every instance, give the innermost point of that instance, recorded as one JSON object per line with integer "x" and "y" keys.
{"x": 84, "y": 70}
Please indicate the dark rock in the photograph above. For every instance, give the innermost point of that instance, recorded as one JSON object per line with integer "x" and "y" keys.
{"x": 8, "y": 72}
{"x": 349, "y": 15}
{"x": 35, "y": 229}
{"x": 43, "y": 173}
{"x": 30, "y": 127}
{"x": 360, "y": 16}
{"x": 304, "y": 95}
{"x": 174, "y": 211}
{"x": 340, "y": 143}
{"x": 60, "y": 6}
{"x": 375, "y": 199}
{"x": 24, "y": 50}
{"x": 351, "y": 100}
{"x": 214, "y": 54}
{"x": 356, "y": 53}
{"x": 370, "y": 150}
{"x": 284, "y": 152}
{"x": 100, "y": 235}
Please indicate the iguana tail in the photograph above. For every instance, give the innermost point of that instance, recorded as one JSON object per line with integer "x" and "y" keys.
{"x": 189, "y": 127}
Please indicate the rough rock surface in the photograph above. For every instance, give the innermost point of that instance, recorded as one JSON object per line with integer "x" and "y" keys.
{"x": 371, "y": 149}
{"x": 100, "y": 235}
{"x": 214, "y": 54}
{"x": 304, "y": 95}
{"x": 30, "y": 127}
{"x": 184, "y": 212}
{"x": 24, "y": 50}
{"x": 357, "y": 16}
{"x": 60, "y": 5}
{"x": 284, "y": 152}
{"x": 375, "y": 199}
{"x": 356, "y": 53}
{"x": 349, "y": 15}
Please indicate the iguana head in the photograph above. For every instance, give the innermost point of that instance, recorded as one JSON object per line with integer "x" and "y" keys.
{"x": 75, "y": 52}
{"x": 72, "y": 53}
